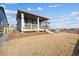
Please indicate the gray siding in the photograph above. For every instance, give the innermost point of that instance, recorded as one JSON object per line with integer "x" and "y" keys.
{"x": 3, "y": 20}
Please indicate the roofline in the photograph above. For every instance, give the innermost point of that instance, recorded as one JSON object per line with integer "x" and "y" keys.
{"x": 32, "y": 13}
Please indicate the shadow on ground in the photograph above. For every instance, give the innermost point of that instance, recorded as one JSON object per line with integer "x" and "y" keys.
{"x": 76, "y": 49}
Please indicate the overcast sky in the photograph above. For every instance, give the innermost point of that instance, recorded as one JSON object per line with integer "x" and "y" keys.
{"x": 60, "y": 15}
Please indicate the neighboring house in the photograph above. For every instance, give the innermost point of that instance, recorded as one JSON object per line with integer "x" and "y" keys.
{"x": 3, "y": 20}
{"x": 28, "y": 21}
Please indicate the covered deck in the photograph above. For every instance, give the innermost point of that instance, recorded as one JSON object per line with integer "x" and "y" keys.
{"x": 28, "y": 21}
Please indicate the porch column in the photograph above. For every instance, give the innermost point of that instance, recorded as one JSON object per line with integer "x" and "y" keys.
{"x": 38, "y": 24}
{"x": 22, "y": 22}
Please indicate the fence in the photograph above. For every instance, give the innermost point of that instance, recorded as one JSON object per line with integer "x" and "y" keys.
{"x": 8, "y": 30}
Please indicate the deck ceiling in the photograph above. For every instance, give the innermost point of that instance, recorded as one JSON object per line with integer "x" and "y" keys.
{"x": 29, "y": 15}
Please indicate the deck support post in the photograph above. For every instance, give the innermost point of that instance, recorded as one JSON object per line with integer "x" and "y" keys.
{"x": 37, "y": 24}
{"x": 22, "y": 22}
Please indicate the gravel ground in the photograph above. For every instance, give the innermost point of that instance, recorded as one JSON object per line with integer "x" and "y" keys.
{"x": 55, "y": 44}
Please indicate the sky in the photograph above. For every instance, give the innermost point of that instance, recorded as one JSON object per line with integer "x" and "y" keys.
{"x": 61, "y": 15}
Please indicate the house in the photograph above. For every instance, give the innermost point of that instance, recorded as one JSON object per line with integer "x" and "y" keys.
{"x": 3, "y": 21}
{"x": 28, "y": 21}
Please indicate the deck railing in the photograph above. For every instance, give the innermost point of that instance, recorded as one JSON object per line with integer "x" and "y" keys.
{"x": 34, "y": 26}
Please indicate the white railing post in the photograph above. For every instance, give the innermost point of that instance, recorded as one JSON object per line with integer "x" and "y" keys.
{"x": 31, "y": 26}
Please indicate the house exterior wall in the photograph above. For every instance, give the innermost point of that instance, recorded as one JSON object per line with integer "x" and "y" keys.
{"x": 3, "y": 20}
{"x": 18, "y": 24}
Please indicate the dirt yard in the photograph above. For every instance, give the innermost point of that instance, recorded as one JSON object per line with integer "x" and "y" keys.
{"x": 55, "y": 44}
{"x": 19, "y": 35}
